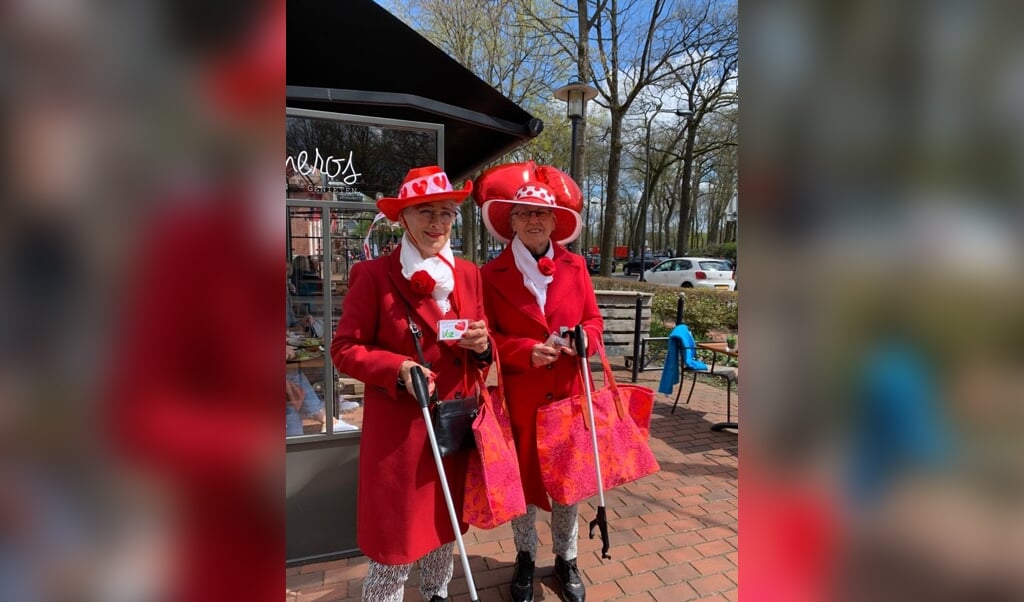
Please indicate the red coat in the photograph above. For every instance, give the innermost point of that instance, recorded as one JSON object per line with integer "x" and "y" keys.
{"x": 401, "y": 510}
{"x": 517, "y": 324}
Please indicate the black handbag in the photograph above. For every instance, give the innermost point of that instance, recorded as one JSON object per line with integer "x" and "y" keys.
{"x": 452, "y": 418}
{"x": 453, "y": 424}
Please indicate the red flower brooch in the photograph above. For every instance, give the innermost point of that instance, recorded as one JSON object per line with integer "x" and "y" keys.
{"x": 546, "y": 266}
{"x": 422, "y": 283}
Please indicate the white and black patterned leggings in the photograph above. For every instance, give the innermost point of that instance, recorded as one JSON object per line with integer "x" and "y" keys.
{"x": 564, "y": 531}
{"x": 386, "y": 582}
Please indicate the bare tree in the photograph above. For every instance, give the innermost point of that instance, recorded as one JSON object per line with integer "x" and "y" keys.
{"x": 634, "y": 52}
{"x": 708, "y": 84}
{"x": 720, "y": 174}
{"x": 496, "y": 42}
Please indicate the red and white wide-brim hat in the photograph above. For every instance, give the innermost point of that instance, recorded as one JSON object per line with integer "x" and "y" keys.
{"x": 497, "y": 213}
{"x": 423, "y": 185}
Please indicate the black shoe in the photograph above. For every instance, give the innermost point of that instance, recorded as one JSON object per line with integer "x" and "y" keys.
{"x": 569, "y": 579}
{"x": 522, "y": 578}
{"x": 438, "y": 599}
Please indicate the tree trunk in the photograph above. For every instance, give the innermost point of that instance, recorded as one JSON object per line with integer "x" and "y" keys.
{"x": 687, "y": 210}
{"x": 469, "y": 221}
{"x": 611, "y": 212}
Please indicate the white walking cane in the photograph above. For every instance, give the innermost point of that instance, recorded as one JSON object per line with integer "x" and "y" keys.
{"x": 602, "y": 518}
{"x": 419, "y": 386}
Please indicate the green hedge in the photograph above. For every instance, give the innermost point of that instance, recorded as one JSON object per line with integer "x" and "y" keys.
{"x": 727, "y": 250}
{"x": 703, "y": 311}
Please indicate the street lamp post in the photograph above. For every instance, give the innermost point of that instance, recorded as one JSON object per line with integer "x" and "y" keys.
{"x": 575, "y": 95}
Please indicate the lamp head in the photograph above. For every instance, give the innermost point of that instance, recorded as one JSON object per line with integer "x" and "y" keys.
{"x": 575, "y": 95}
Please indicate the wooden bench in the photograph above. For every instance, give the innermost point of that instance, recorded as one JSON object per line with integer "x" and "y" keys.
{"x": 619, "y": 310}
{"x": 627, "y": 325}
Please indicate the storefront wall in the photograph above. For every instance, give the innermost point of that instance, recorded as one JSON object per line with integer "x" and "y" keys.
{"x": 336, "y": 167}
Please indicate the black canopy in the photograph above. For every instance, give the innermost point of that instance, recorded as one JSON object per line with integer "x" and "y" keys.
{"x": 353, "y": 56}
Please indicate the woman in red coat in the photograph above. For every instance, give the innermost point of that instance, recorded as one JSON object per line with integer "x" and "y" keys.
{"x": 402, "y": 515}
{"x": 531, "y": 290}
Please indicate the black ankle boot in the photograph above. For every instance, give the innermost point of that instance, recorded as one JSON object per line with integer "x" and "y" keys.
{"x": 572, "y": 589}
{"x": 522, "y": 578}
{"x": 438, "y": 599}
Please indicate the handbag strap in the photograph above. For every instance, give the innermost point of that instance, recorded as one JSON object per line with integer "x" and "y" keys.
{"x": 609, "y": 381}
{"x": 417, "y": 334}
{"x": 482, "y": 384}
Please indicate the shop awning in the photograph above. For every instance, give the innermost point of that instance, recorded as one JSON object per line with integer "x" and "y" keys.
{"x": 353, "y": 56}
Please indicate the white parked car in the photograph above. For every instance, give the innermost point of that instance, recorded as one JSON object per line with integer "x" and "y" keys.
{"x": 692, "y": 272}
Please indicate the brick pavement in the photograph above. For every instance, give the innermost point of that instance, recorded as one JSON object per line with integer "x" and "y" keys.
{"x": 673, "y": 533}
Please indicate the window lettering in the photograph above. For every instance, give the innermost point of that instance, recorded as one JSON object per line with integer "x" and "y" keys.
{"x": 331, "y": 166}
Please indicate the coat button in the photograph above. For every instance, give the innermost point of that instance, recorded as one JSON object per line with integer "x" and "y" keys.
{"x": 550, "y": 366}
{"x": 458, "y": 362}
{"x": 549, "y": 397}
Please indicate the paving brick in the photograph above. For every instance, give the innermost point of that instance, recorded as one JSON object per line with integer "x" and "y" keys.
{"x": 488, "y": 548}
{"x": 304, "y": 581}
{"x": 719, "y": 532}
{"x": 324, "y": 594}
{"x": 639, "y": 583}
{"x": 632, "y": 510}
{"x": 655, "y": 530}
{"x": 679, "y": 555}
{"x": 712, "y": 584}
{"x": 651, "y": 545}
{"x": 664, "y": 494}
{"x": 714, "y": 548}
{"x": 491, "y": 578}
{"x": 345, "y": 573}
{"x": 658, "y": 517}
{"x": 690, "y": 501}
{"x": 680, "y": 592}
{"x": 602, "y": 591}
{"x": 637, "y": 597}
{"x": 321, "y": 566}
{"x": 645, "y": 563}
{"x": 622, "y": 552}
{"x": 719, "y": 506}
{"x": 676, "y": 572}
{"x": 606, "y": 572}
{"x": 710, "y": 566}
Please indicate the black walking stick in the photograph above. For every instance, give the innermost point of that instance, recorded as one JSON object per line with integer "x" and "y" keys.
{"x": 419, "y": 386}
{"x": 602, "y": 519}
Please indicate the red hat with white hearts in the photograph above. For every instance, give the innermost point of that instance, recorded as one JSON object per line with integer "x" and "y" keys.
{"x": 497, "y": 213}
{"x": 423, "y": 185}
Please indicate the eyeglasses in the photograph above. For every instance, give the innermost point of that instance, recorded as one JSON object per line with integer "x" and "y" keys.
{"x": 527, "y": 215}
{"x": 444, "y": 216}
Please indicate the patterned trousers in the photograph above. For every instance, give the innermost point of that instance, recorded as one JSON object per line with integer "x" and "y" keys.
{"x": 565, "y": 530}
{"x": 386, "y": 582}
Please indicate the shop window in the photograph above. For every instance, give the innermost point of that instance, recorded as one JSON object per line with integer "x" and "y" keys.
{"x": 336, "y": 167}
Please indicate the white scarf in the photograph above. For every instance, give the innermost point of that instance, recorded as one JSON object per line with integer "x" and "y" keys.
{"x": 533, "y": 280}
{"x": 440, "y": 271}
